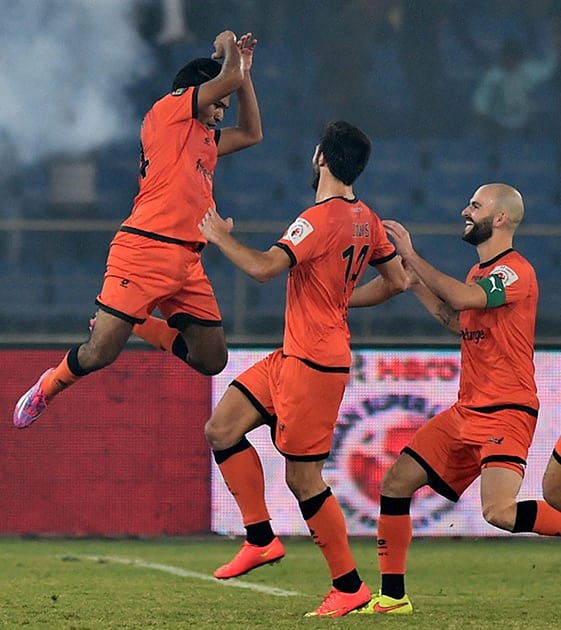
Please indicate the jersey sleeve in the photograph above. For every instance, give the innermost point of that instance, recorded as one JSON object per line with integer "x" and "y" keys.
{"x": 180, "y": 105}
{"x": 384, "y": 250}
{"x": 304, "y": 237}
{"x": 505, "y": 284}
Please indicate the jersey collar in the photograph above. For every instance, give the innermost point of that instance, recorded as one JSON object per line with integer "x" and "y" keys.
{"x": 494, "y": 260}
{"x": 353, "y": 200}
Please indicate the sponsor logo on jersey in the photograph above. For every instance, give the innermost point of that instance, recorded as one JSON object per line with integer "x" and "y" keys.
{"x": 506, "y": 274}
{"x": 495, "y": 440}
{"x": 298, "y": 231}
{"x": 179, "y": 91}
{"x": 494, "y": 287}
{"x": 472, "y": 335}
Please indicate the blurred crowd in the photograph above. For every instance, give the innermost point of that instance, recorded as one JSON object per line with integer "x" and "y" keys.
{"x": 433, "y": 55}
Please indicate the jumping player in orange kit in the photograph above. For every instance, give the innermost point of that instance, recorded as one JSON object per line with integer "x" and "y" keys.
{"x": 155, "y": 258}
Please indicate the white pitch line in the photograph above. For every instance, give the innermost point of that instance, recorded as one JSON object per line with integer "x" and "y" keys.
{"x": 167, "y": 568}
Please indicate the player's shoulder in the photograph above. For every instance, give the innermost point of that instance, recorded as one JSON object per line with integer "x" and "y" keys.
{"x": 515, "y": 258}
{"x": 512, "y": 266}
{"x": 171, "y": 100}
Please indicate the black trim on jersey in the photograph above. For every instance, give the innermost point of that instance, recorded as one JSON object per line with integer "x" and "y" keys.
{"x": 258, "y": 406}
{"x": 216, "y": 136}
{"x": 513, "y": 459}
{"x": 303, "y": 458}
{"x": 494, "y": 260}
{"x": 556, "y": 456}
{"x": 385, "y": 259}
{"x": 290, "y": 253}
{"x": 195, "y": 102}
{"x": 493, "y": 408}
{"x": 323, "y": 368}
{"x": 353, "y": 200}
{"x": 123, "y": 316}
{"x": 182, "y": 320}
{"x": 435, "y": 481}
{"x": 152, "y": 235}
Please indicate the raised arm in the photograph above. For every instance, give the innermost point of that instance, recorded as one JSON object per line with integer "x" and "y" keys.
{"x": 231, "y": 75}
{"x": 460, "y": 296}
{"x": 248, "y": 129}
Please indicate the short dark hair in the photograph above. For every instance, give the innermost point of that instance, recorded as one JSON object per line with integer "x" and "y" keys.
{"x": 346, "y": 150}
{"x": 196, "y": 72}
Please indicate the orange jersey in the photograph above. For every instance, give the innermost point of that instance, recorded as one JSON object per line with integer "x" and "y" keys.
{"x": 498, "y": 343}
{"x": 329, "y": 245}
{"x": 177, "y": 165}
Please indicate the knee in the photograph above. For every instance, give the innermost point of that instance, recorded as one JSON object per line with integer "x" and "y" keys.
{"x": 210, "y": 366}
{"x": 294, "y": 484}
{"x": 396, "y": 484}
{"x": 215, "y": 367}
{"x": 304, "y": 484}
{"x": 500, "y": 516}
{"x": 220, "y": 435}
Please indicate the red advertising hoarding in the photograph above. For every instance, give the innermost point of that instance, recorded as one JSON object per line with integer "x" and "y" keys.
{"x": 121, "y": 453}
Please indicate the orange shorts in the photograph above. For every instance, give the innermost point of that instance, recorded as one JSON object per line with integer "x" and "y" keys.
{"x": 143, "y": 274}
{"x": 457, "y": 443}
{"x": 301, "y": 402}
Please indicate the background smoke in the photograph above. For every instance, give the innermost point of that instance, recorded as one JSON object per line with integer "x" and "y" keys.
{"x": 65, "y": 68}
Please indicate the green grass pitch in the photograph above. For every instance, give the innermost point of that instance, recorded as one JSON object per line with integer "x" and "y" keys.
{"x": 167, "y": 583}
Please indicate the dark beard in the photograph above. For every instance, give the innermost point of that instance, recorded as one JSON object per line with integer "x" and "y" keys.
{"x": 480, "y": 232}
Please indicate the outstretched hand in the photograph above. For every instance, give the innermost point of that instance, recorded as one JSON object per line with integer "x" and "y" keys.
{"x": 246, "y": 45}
{"x": 400, "y": 237}
{"x": 213, "y": 227}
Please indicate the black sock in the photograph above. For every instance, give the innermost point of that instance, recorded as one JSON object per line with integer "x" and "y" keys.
{"x": 260, "y": 534}
{"x": 73, "y": 364}
{"x": 393, "y": 585}
{"x": 526, "y": 512}
{"x": 348, "y": 583}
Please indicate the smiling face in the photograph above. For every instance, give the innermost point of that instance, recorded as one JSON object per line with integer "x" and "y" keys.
{"x": 479, "y": 216}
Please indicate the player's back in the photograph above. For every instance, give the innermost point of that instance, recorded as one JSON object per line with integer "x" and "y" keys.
{"x": 330, "y": 245}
